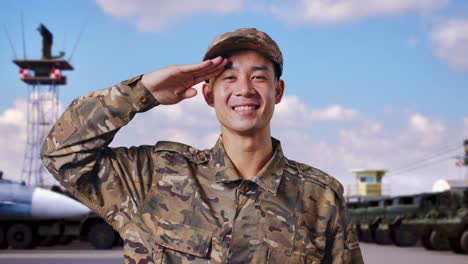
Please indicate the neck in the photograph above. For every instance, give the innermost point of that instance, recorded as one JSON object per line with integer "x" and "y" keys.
{"x": 249, "y": 153}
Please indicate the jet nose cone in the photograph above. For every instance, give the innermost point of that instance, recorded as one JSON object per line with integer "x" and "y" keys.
{"x": 49, "y": 204}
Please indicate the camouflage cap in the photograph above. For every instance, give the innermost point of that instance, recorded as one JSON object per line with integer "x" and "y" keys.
{"x": 246, "y": 38}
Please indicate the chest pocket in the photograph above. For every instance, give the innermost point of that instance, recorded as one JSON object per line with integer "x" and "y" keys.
{"x": 181, "y": 242}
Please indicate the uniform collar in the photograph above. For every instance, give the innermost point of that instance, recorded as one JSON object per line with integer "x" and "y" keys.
{"x": 269, "y": 176}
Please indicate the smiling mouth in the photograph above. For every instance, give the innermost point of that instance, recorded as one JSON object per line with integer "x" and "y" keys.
{"x": 245, "y": 107}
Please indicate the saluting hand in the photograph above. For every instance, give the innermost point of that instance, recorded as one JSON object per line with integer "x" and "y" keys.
{"x": 173, "y": 84}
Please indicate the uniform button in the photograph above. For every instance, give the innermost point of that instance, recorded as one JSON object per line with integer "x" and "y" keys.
{"x": 143, "y": 99}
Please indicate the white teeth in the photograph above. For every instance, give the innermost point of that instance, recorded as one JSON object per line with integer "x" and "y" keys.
{"x": 244, "y": 107}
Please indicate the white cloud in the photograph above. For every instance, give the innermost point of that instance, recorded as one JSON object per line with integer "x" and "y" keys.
{"x": 149, "y": 15}
{"x": 158, "y": 15}
{"x": 425, "y": 130}
{"x": 334, "y": 113}
{"x": 450, "y": 41}
{"x": 15, "y": 116}
{"x": 291, "y": 111}
{"x": 13, "y": 127}
{"x": 366, "y": 136}
{"x": 13, "y": 139}
{"x": 341, "y": 11}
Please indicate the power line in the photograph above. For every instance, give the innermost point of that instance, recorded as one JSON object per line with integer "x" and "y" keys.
{"x": 78, "y": 40}
{"x": 420, "y": 166}
{"x": 426, "y": 159}
{"x": 11, "y": 43}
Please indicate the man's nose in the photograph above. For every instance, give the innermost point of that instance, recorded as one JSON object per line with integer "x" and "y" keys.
{"x": 244, "y": 87}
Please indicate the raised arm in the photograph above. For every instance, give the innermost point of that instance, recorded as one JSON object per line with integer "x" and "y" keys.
{"x": 113, "y": 181}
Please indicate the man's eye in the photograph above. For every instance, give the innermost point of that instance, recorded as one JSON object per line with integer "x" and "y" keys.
{"x": 260, "y": 77}
{"x": 229, "y": 77}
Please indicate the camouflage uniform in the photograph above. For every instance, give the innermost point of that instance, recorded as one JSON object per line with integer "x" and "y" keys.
{"x": 172, "y": 203}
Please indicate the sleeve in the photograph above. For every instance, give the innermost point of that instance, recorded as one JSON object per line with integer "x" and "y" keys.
{"x": 342, "y": 245}
{"x": 110, "y": 181}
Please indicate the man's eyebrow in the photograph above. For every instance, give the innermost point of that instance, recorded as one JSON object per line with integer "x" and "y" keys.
{"x": 253, "y": 68}
{"x": 259, "y": 68}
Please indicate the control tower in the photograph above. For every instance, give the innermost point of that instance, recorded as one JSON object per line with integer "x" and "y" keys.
{"x": 43, "y": 77}
{"x": 368, "y": 184}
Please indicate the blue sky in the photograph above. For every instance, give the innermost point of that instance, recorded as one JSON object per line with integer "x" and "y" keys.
{"x": 373, "y": 78}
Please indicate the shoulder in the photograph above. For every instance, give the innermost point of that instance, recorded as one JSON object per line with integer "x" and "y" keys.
{"x": 311, "y": 174}
{"x": 179, "y": 149}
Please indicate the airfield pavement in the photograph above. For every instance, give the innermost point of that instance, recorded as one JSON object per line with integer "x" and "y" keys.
{"x": 82, "y": 253}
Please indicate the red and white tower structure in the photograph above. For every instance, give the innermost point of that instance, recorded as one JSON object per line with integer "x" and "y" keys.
{"x": 43, "y": 78}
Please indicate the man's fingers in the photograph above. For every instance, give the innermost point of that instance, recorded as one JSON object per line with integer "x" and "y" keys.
{"x": 205, "y": 75}
{"x": 209, "y": 75}
{"x": 200, "y": 68}
{"x": 189, "y": 93}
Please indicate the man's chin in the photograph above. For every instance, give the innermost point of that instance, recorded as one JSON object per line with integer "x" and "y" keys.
{"x": 244, "y": 130}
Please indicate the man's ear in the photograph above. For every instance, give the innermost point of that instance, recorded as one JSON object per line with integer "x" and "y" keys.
{"x": 279, "y": 88}
{"x": 208, "y": 94}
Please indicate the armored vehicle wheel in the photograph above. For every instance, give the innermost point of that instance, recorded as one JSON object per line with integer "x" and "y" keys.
{"x": 439, "y": 241}
{"x": 434, "y": 240}
{"x": 464, "y": 242}
{"x": 3, "y": 243}
{"x": 382, "y": 237}
{"x": 403, "y": 237}
{"x": 102, "y": 236}
{"x": 20, "y": 236}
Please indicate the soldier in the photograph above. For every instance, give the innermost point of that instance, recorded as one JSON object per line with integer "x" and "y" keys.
{"x": 242, "y": 201}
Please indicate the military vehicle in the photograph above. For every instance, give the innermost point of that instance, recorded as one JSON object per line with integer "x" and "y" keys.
{"x": 438, "y": 220}
{"x": 446, "y": 224}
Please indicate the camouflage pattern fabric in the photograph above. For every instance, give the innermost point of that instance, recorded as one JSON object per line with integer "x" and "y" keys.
{"x": 172, "y": 203}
